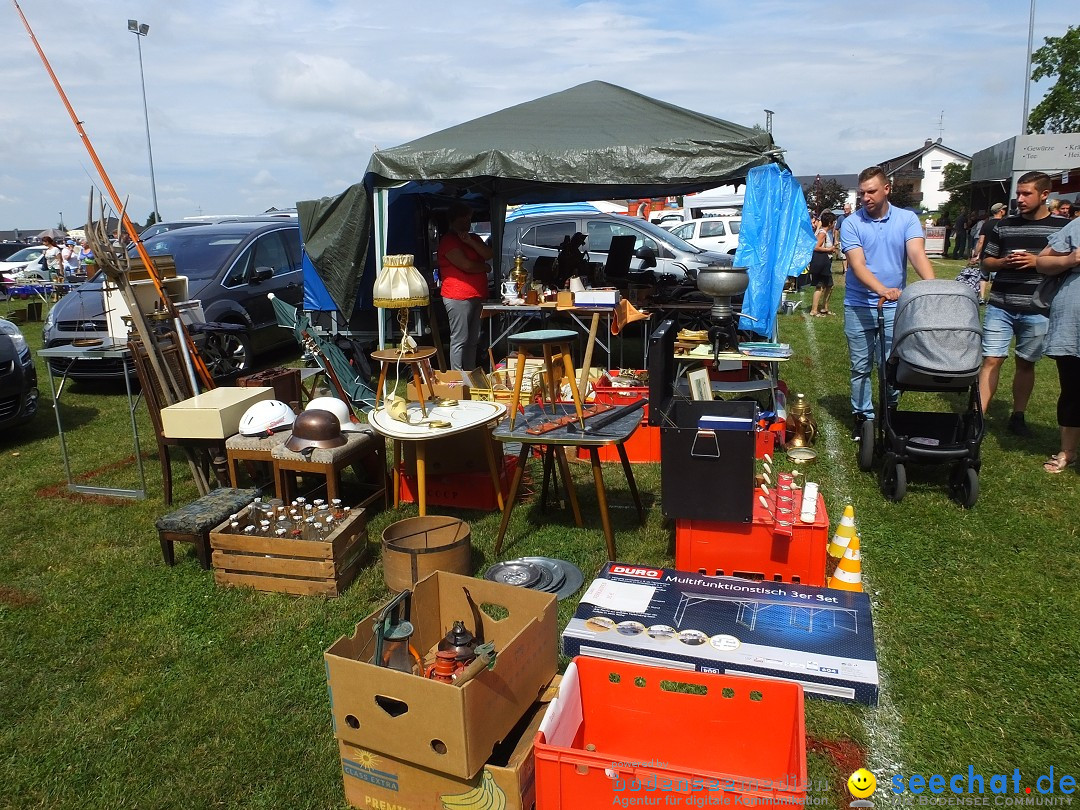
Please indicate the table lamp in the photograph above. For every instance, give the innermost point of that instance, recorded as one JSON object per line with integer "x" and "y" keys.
{"x": 399, "y": 285}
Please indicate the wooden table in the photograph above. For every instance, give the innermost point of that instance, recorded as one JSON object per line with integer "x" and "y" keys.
{"x": 417, "y": 360}
{"x": 614, "y": 433}
{"x": 466, "y": 415}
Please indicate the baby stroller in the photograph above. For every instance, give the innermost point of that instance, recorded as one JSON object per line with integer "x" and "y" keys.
{"x": 937, "y": 347}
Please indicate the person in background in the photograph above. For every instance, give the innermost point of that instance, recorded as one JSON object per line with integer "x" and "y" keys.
{"x": 1062, "y": 255}
{"x": 836, "y": 234}
{"x": 1010, "y": 254}
{"x": 960, "y": 235}
{"x": 463, "y": 268}
{"x": 86, "y": 256}
{"x": 1065, "y": 209}
{"x": 879, "y": 240}
{"x": 997, "y": 211}
{"x": 1053, "y": 205}
{"x": 70, "y": 257}
{"x": 821, "y": 265}
{"x": 53, "y": 261}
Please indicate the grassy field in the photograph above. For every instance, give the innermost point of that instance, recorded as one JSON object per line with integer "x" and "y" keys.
{"x": 127, "y": 683}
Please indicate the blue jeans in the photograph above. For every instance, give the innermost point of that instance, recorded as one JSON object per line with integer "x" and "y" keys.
{"x": 860, "y": 329}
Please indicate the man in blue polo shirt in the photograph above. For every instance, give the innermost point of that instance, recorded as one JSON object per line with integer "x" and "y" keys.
{"x": 879, "y": 240}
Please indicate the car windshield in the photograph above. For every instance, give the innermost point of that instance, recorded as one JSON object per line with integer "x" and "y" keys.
{"x": 24, "y": 255}
{"x": 198, "y": 255}
{"x": 667, "y": 237}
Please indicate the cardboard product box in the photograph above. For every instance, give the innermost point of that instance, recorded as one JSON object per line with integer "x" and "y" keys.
{"x": 458, "y": 452}
{"x": 214, "y": 414}
{"x": 445, "y": 385}
{"x": 597, "y": 297}
{"x": 444, "y": 727}
{"x": 508, "y": 779}
{"x": 820, "y": 638}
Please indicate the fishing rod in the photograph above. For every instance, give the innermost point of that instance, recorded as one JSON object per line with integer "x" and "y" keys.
{"x": 204, "y": 373}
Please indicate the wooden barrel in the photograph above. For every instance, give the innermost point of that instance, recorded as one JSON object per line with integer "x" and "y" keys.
{"x": 415, "y": 547}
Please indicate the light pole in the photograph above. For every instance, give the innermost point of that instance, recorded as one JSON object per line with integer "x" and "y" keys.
{"x": 140, "y": 31}
{"x": 768, "y": 121}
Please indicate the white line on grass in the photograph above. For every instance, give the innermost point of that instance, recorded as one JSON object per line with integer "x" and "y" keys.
{"x": 882, "y": 723}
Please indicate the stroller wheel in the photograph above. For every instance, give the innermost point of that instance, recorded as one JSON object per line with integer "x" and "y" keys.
{"x": 866, "y": 445}
{"x": 893, "y": 479}
{"x": 964, "y": 486}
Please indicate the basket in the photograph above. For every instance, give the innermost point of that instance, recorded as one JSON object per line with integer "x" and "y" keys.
{"x": 415, "y": 547}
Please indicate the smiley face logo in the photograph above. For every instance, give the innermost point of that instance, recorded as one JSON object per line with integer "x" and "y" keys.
{"x": 862, "y": 784}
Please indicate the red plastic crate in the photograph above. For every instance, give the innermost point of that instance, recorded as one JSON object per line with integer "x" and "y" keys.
{"x": 466, "y": 490}
{"x": 755, "y": 550}
{"x": 669, "y": 738}
{"x": 765, "y": 442}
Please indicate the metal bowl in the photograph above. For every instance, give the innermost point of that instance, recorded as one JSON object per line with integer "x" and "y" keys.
{"x": 802, "y": 455}
{"x": 722, "y": 282}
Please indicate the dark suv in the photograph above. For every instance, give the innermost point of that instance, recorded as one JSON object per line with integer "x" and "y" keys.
{"x": 230, "y": 267}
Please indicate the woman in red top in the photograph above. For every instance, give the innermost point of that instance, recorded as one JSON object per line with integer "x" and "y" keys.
{"x": 463, "y": 268}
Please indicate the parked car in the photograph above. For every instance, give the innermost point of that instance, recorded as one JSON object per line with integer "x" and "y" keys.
{"x": 541, "y": 235}
{"x": 666, "y": 217}
{"x": 711, "y": 233}
{"x": 7, "y": 248}
{"x": 230, "y": 268}
{"x": 18, "y": 378}
{"x": 23, "y": 263}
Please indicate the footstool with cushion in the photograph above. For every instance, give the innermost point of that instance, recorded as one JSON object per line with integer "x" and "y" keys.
{"x": 192, "y": 523}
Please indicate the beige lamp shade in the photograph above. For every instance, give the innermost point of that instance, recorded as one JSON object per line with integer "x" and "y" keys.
{"x": 399, "y": 284}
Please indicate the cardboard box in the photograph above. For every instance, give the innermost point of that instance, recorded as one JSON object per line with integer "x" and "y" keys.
{"x": 445, "y": 385}
{"x": 458, "y": 452}
{"x": 597, "y": 297}
{"x": 375, "y": 780}
{"x": 443, "y": 727}
{"x": 214, "y": 414}
{"x": 820, "y": 638}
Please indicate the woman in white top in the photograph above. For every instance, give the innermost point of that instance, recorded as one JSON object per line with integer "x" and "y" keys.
{"x": 821, "y": 265}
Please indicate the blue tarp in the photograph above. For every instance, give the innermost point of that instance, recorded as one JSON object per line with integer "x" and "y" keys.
{"x": 775, "y": 241}
{"x": 316, "y": 296}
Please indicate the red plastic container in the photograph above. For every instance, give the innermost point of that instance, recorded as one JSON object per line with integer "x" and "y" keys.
{"x": 641, "y": 448}
{"x": 669, "y": 738}
{"x": 755, "y": 550}
{"x": 463, "y": 490}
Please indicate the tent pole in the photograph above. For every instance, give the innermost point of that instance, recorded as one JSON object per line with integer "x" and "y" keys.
{"x": 497, "y": 214}
{"x": 382, "y": 200}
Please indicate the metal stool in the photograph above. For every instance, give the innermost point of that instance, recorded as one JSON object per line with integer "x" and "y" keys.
{"x": 555, "y": 344}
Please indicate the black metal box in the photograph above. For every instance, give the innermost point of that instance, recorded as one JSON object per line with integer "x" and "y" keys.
{"x": 707, "y": 474}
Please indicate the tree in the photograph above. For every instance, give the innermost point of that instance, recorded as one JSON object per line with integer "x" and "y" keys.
{"x": 822, "y": 195}
{"x": 151, "y": 220}
{"x": 1059, "y": 111}
{"x": 955, "y": 179}
{"x": 903, "y": 195}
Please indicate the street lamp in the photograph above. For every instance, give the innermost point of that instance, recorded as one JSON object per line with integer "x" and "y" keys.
{"x": 140, "y": 31}
{"x": 768, "y": 121}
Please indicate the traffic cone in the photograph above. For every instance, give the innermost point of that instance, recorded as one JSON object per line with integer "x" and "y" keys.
{"x": 844, "y": 532}
{"x": 848, "y": 574}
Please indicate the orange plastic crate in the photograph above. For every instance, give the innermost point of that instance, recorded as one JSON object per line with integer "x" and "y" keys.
{"x": 465, "y": 490}
{"x": 755, "y": 550}
{"x": 669, "y": 738}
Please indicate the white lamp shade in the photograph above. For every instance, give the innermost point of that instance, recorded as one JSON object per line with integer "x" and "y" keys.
{"x": 399, "y": 284}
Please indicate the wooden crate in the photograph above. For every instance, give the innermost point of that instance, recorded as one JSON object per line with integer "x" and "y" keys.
{"x": 303, "y": 567}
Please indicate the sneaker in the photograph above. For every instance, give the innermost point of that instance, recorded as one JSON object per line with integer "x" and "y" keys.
{"x": 1017, "y": 426}
{"x": 856, "y": 430}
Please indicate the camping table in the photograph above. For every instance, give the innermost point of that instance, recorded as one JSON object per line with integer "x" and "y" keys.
{"x": 466, "y": 415}
{"x": 108, "y": 350}
{"x": 800, "y": 616}
{"x": 614, "y": 433}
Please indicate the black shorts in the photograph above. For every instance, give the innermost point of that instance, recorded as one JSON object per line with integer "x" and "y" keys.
{"x": 821, "y": 270}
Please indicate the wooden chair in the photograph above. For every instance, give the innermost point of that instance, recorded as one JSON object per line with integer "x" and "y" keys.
{"x": 209, "y": 452}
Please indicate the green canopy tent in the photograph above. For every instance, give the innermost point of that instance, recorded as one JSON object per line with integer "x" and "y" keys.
{"x": 593, "y": 141}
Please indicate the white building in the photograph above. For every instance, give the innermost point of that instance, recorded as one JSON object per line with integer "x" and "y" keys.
{"x": 922, "y": 172}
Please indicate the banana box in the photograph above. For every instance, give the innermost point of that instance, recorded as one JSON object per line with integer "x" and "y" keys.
{"x": 507, "y": 781}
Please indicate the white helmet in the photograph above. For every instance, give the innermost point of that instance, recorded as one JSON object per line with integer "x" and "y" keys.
{"x": 338, "y": 409}
{"x": 266, "y": 418}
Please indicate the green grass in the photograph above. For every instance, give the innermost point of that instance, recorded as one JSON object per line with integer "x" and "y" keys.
{"x": 130, "y": 684}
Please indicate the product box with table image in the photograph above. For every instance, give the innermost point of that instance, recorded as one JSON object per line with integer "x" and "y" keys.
{"x": 445, "y": 727}
{"x": 507, "y": 781}
{"x": 819, "y": 637}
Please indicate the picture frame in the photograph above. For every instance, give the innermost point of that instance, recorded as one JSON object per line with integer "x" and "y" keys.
{"x": 700, "y": 386}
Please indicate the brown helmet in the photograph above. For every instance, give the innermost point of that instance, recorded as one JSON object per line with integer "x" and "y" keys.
{"x": 315, "y": 429}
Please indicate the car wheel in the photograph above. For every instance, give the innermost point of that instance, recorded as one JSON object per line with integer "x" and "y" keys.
{"x": 227, "y": 354}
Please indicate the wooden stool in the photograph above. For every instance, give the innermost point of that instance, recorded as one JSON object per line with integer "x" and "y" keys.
{"x": 417, "y": 361}
{"x": 360, "y": 446}
{"x": 192, "y": 523}
{"x": 555, "y": 344}
{"x": 249, "y": 448}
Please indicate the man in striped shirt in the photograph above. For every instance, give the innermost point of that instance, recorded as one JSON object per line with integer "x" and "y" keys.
{"x": 1010, "y": 252}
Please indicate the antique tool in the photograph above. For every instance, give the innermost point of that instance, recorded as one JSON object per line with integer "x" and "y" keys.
{"x": 563, "y": 421}
{"x": 460, "y": 642}
{"x": 485, "y": 659}
{"x": 393, "y": 630}
{"x": 723, "y": 283}
{"x": 599, "y": 424}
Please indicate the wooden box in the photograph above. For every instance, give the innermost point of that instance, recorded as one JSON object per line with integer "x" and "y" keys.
{"x": 304, "y": 567}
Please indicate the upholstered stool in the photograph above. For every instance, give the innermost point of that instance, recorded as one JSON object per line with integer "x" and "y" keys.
{"x": 249, "y": 448}
{"x": 192, "y": 523}
{"x": 365, "y": 448}
{"x": 555, "y": 345}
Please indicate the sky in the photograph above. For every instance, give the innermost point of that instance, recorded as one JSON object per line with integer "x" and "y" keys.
{"x": 254, "y": 105}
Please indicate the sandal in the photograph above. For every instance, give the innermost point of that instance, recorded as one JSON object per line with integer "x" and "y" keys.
{"x": 1059, "y": 462}
{"x": 818, "y": 314}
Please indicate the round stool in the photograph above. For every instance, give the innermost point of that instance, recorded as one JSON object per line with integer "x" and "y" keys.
{"x": 418, "y": 363}
{"x": 555, "y": 345}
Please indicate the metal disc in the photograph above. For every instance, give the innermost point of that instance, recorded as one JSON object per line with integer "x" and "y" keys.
{"x": 573, "y": 581}
{"x": 513, "y": 572}
{"x": 558, "y": 575}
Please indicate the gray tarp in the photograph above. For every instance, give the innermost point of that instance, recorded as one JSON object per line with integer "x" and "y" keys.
{"x": 593, "y": 141}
